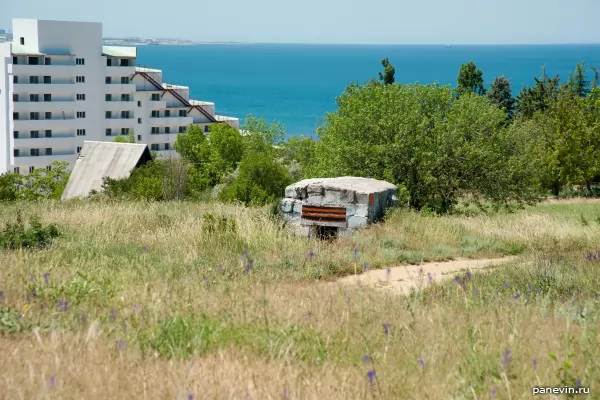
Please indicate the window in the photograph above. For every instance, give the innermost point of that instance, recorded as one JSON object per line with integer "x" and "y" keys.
{"x": 206, "y": 128}
{"x": 109, "y": 62}
{"x": 80, "y": 132}
{"x": 80, "y": 61}
{"x": 124, "y": 80}
{"x": 47, "y": 79}
{"x": 15, "y": 97}
{"x": 154, "y": 147}
{"x": 108, "y": 115}
{"x": 108, "y": 97}
{"x": 139, "y": 103}
{"x": 33, "y": 61}
{"x": 80, "y": 114}
{"x": 154, "y": 130}
{"x": 31, "y": 170}
{"x": 80, "y": 96}
{"x": 78, "y": 149}
{"x": 182, "y": 113}
{"x": 16, "y": 152}
{"x": 16, "y": 170}
{"x": 108, "y": 132}
{"x": 34, "y": 115}
{"x": 155, "y": 114}
{"x": 125, "y": 97}
{"x": 48, "y": 61}
{"x": 22, "y": 41}
{"x": 125, "y": 114}
{"x": 15, "y": 60}
{"x": 15, "y": 79}
{"x": 167, "y": 146}
{"x": 80, "y": 79}
{"x": 47, "y": 97}
{"x": 34, "y": 97}
{"x": 167, "y": 113}
{"x": 16, "y": 134}
{"x": 34, "y": 134}
{"x": 15, "y": 115}
{"x": 139, "y": 138}
{"x": 34, "y": 79}
{"x": 48, "y": 133}
{"x": 34, "y": 152}
{"x": 182, "y": 129}
{"x": 167, "y": 129}
{"x": 124, "y": 131}
{"x": 48, "y": 151}
{"x": 155, "y": 97}
{"x": 124, "y": 62}
{"x": 139, "y": 120}
{"x": 48, "y": 115}
{"x": 108, "y": 80}
{"x": 49, "y": 168}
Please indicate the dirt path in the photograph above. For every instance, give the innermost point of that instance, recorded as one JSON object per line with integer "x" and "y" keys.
{"x": 402, "y": 278}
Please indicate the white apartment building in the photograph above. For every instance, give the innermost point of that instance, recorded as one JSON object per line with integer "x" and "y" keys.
{"x": 60, "y": 86}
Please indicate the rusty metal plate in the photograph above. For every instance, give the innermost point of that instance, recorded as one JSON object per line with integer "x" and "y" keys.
{"x": 323, "y": 216}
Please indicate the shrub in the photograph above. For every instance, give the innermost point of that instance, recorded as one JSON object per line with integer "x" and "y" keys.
{"x": 16, "y": 235}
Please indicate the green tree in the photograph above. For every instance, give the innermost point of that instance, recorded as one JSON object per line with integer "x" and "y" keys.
{"x": 440, "y": 148}
{"x": 45, "y": 184}
{"x": 227, "y": 146}
{"x": 9, "y": 187}
{"x": 387, "y": 77}
{"x": 130, "y": 138}
{"x": 539, "y": 97}
{"x": 500, "y": 94}
{"x": 195, "y": 149}
{"x": 470, "y": 79}
{"x": 578, "y": 82}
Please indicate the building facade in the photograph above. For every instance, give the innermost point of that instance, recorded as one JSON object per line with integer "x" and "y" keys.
{"x": 60, "y": 86}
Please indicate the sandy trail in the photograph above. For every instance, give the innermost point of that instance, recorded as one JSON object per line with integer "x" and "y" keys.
{"x": 402, "y": 279}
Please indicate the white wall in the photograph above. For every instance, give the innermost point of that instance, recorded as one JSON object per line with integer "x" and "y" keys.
{"x": 5, "y": 138}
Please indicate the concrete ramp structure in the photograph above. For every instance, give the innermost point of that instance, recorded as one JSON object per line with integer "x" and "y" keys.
{"x": 334, "y": 206}
{"x": 98, "y": 160}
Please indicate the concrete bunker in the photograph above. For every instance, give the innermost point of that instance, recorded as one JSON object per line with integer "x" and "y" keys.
{"x": 330, "y": 207}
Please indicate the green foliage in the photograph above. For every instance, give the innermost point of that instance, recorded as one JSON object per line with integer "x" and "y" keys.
{"x": 578, "y": 82}
{"x": 500, "y": 94}
{"x": 258, "y": 181}
{"x": 539, "y": 97}
{"x": 9, "y": 187}
{"x": 261, "y": 136}
{"x": 130, "y": 138}
{"x": 227, "y": 147}
{"x": 470, "y": 79}
{"x": 144, "y": 183}
{"x": 439, "y": 147}
{"x": 217, "y": 224}
{"x": 387, "y": 77}
{"x": 11, "y": 321}
{"x": 44, "y": 184}
{"x": 83, "y": 288}
{"x": 16, "y": 235}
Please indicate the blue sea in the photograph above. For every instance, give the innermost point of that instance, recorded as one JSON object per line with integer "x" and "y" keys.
{"x": 298, "y": 84}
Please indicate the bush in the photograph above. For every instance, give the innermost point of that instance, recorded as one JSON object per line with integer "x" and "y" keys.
{"x": 16, "y": 235}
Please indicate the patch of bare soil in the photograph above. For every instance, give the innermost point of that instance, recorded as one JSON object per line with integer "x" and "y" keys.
{"x": 402, "y": 279}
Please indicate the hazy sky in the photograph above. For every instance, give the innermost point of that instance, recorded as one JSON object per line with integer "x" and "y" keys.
{"x": 329, "y": 21}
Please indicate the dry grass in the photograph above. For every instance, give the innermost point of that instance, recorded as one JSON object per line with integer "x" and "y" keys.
{"x": 160, "y": 306}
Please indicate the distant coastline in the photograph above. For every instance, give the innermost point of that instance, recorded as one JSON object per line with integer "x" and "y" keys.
{"x": 110, "y": 41}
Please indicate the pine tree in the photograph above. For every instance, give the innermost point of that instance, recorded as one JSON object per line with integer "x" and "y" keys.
{"x": 501, "y": 94}
{"x": 470, "y": 79}
{"x": 388, "y": 72}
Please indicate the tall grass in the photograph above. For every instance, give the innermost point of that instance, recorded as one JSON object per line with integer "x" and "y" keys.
{"x": 183, "y": 300}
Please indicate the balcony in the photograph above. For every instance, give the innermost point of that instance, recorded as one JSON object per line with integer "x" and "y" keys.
{"x": 42, "y": 161}
{"x": 43, "y": 142}
{"x": 117, "y": 70}
{"x": 120, "y": 123}
{"x": 119, "y": 88}
{"x": 43, "y": 124}
{"x": 170, "y": 121}
{"x": 43, "y": 106}
{"x": 52, "y": 70}
{"x": 42, "y": 87}
{"x": 162, "y": 137}
{"x": 118, "y": 106}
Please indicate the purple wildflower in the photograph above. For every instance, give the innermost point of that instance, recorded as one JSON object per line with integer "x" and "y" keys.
{"x": 309, "y": 314}
{"x": 190, "y": 396}
{"x": 422, "y": 363}
{"x": 506, "y": 359}
{"x": 220, "y": 268}
{"x": 366, "y": 359}
{"x": 366, "y": 266}
{"x": 493, "y": 393}
{"x": 386, "y": 329}
{"x": 206, "y": 282}
{"x": 577, "y": 383}
{"x": 311, "y": 255}
{"x": 136, "y": 308}
{"x": 371, "y": 376}
{"x": 430, "y": 278}
{"x": 124, "y": 327}
{"x": 113, "y": 314}
{"x": 1, "y": 295}
{"x": 420, "y": 273}
{"x": 517, "y": 296}
{"x": 46, "y": 276}
{"x": 529, "y": 286}
{"x": 63, "y": 305}
{"x": 506, "y": 285}
{"x": 286, "y": 394}
{"x": 468, "y": 275}
{"x": 389, "y": 272}
{"x": 145, "y": 249}
{"x": 249, "y": 266}
{"x": 121, "y": 345}
{"x": 84, "y": 319}
{"x": 458, "y": 281}
{"x": 52, "y": 381}
{"x": 355, "y": 254}
{"x": 534, "y": 362}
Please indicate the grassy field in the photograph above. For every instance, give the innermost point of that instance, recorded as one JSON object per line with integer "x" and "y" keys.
{"x": 200, "y": 301}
